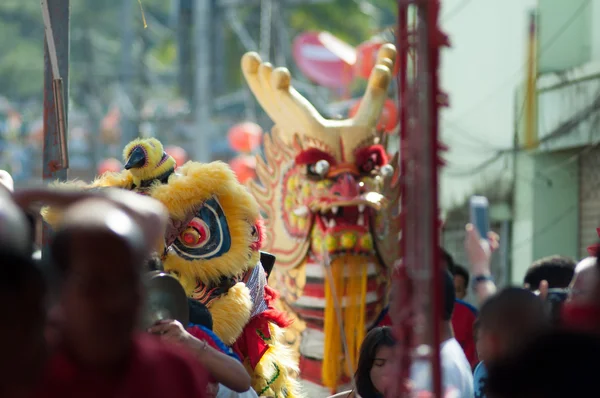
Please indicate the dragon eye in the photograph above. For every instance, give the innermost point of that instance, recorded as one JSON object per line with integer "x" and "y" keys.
{"x": 196, "y": 234}
{"x": 319, "y": 169}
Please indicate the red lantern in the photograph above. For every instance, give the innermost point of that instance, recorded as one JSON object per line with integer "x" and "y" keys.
{"x": 389, "y": 115}
{"x": 244, "y": 167}
{"x": 245, "y": 137}
{"x": 366, "y": 58}
{"x": 177, "y": 153}
{"x": 112, "y": 165}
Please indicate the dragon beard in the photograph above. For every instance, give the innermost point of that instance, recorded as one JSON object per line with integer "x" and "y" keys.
{"x": 345, "y": 310}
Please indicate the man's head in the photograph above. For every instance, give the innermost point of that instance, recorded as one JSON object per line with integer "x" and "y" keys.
{"x": 508, "y": 320}
{"x": 446, "y": 260}
{"x": 557, "y": 364}
{"x": 449, "y": 296}
{"x": 585, "y": 282}
{"x": 22, "y": 344}
{"x": 99, "y": 255}
{"x": 556, "y": 270}
{"x": 461, "y": 281}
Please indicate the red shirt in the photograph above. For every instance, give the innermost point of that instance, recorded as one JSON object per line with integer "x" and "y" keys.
{"x": 157, "y": 370}
{"x": 463, "y": 318}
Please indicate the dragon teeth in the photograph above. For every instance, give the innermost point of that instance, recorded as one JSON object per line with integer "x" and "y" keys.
{"x": 331, "y": 223}
{"x": 361, "y": 208}
{"x": 335, "y": 209}
{"x": 301, "y": 211}
{"x": 361, "y": 220}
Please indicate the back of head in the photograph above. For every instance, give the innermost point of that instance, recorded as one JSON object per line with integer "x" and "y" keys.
{"x": 556, "y": 270}
{"x": 514, "y": 314}
{"x": 447, "y": 259}
{"x": 199, "y": 314}
{"x": 15, "y": 230}
{"x": 449, "y": 295}
{"x": 557, "y": 364}
{"x": 103, "y": 225}
{"x": 99, "y": 254}
{"x": 22, "y": 290}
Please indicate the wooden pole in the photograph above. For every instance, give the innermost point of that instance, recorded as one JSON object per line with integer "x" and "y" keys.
{"x": 59, "y": 11}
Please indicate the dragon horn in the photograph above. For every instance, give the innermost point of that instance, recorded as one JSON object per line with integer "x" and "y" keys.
{"x": 294, "y": 102}
{"x": 371, "y": 105}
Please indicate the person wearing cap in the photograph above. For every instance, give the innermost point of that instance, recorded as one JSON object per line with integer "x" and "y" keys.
{"x": 99, "y": 253}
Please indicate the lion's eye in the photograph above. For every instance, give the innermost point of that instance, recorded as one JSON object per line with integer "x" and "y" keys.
{"x": 196, "y": 234}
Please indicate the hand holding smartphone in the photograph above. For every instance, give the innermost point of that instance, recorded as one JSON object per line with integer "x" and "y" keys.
{"x": 480, "y": 215}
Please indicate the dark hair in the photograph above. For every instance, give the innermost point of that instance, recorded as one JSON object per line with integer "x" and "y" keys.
{"x": 154, "y": 263}
{"x": 515, "y": 312}
{"x": 449, "y": 295}
{"x": 447, "y": 259}
{"x": 459, "y": 270}
{"x": 199, "y": 314}
{"x": 377, "y": 337}
{"x": 18, "y": 271}
{"x": 557, "y": 364}
{"x": 556, "y": 270}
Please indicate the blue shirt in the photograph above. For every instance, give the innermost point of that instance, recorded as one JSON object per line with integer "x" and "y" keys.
{"x": 479, "y": 379}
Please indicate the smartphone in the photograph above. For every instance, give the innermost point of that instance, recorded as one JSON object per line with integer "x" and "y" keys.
{"x": 480, "y": 215}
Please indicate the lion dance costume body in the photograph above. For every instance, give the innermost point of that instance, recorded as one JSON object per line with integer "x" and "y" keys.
{"x": 212, "y": 246}
{"x": 323, "y": 188}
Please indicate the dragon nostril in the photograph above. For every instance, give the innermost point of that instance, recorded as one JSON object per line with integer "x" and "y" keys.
{"x": 337, "y": 194}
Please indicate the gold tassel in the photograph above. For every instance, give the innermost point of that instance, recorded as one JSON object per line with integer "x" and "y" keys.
{"x": 351, "y": 291}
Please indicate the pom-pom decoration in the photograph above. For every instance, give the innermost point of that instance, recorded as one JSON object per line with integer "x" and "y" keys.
{"x": 244, "y": 167}
{"x": 109, "y": 165}
{"x": 245, "y": 137}
{"x": 177, "y": 153}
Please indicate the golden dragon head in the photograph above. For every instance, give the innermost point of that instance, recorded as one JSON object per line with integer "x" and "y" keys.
{"x": 325, "y": 183}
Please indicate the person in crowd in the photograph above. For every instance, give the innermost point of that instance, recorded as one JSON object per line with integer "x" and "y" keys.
{"x": 198, "y": 339}
{"x": 557, "y": 364}
{"x": 225, "y": 368}
{"x": 375, "y": 365}
{"x": 99, "y": 253}
{"x": 463, "y": 315}
{"x": 582, "y": 309}
{"x": 461, "y": 281}
{"x": 555, "y": 271}
{"x": 479, "y": 254}
{"x": 22, "y": 344}
{"x": 456, "y": 370}
{"x": 507, "y": 321}
{"x": 585, "y": 282}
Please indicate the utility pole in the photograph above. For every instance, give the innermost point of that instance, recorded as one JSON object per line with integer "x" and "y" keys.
{"x": 184, "y": 40}
{"x": 203, "y": 27}
{"x": 60, "y": 21}
{"x": 129, "y": 129}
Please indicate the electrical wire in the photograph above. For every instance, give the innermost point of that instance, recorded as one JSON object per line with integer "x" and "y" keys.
{"x": 456, "y": 10}
{"x": 542, "y": 49}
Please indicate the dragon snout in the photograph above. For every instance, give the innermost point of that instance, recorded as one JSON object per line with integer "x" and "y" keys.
{"x": 345, "y": 186}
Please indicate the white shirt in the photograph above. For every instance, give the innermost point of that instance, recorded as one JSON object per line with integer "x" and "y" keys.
{"x": 456, "y": 371}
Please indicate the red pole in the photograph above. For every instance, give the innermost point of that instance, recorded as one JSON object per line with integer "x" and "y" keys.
{"x": 417, "y": 282}
{"x": 51, "y": 167}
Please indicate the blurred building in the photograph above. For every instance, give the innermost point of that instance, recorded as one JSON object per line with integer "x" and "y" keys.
{"x": 557, "y": 185}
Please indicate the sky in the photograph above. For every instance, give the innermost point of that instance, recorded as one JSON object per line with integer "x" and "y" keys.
{"x": 480, "y": 72}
